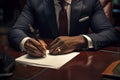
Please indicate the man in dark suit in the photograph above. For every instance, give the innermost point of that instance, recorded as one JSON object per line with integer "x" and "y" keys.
{"x": 43, "y": 16}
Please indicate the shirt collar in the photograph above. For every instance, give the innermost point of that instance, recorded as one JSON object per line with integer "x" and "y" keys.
{"x": 67, "y": 1}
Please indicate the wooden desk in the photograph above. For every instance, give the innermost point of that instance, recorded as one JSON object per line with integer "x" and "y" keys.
{"x": 86, "y": 66}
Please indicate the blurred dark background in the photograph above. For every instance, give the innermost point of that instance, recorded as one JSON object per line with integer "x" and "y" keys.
{"x": 116, "y": 12}
{"x": 9, "y": 12}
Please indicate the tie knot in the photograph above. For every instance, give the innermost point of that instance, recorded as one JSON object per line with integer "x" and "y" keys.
{"x": 62, "y": 3}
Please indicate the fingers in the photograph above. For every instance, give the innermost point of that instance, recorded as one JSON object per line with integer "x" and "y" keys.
{"x": 33, "y": 53}
{"x": 59, "y": 50}
{"x": 53, "y": 47}
{"x": 35, "y": 48}
{"x": 59, "y": 46}
{"x": 43, "y": 44}
{"x": 37, "y": 45}
{"x": 55, "y": 41}
{"x": 32, "y": 50}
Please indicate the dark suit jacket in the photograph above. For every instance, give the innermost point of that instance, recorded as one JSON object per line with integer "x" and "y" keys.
{"x": 41, "y": 14}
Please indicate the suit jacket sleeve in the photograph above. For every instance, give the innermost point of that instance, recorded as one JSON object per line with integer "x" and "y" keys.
{"x": 21, "y": 30}
{"x": 104, "y": 33}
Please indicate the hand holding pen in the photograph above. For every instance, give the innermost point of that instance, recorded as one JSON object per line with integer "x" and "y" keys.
{"x": 35, "y": 46}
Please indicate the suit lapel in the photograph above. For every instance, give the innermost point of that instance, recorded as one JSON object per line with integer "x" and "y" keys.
{"x": 76, "y": 8}
{"x": 51, "y": 17}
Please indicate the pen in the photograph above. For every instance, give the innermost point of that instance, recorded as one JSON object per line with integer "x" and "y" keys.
{"x": 35, "y": 36}
{"x": 33, "y": 32}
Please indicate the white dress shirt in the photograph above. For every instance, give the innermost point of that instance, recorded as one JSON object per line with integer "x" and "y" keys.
{"x": 57, "y": 9}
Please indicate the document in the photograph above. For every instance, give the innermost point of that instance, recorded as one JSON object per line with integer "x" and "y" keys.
{"x": 50, "y": 61}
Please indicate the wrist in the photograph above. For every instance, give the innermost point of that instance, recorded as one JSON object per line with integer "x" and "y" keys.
{"x": 22, "y": 43}
{"x": 82, "y": 43}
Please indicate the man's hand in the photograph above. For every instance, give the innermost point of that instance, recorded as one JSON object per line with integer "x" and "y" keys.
{"x": 66, "y": 44}
{"x": 35, "y": 48}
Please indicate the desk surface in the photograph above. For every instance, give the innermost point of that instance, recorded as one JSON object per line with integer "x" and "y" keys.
{"x": 88, "y": 65}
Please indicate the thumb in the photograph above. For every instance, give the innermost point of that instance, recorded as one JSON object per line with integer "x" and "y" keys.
{"x": 43, "y": 44}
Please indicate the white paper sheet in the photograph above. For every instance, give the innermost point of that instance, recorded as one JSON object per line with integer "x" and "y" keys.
{"x": 50, "y": 61}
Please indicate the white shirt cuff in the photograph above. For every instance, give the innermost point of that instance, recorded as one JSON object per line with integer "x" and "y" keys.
{"x": 23, "y": 42}
{"x": 90, "y": 43}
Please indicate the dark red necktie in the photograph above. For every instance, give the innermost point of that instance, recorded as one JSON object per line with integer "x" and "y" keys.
{"x": 63, "y": 20}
